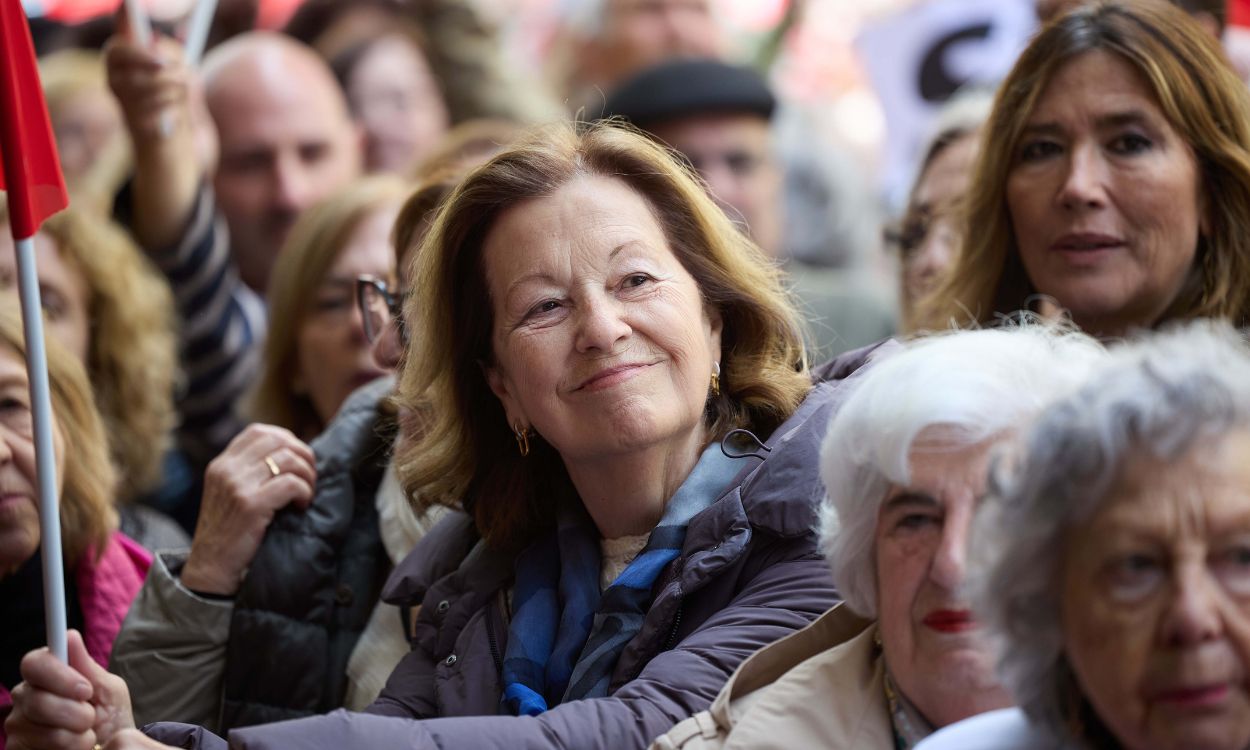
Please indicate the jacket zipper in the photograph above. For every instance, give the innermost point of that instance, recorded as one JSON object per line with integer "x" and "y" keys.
{"x": 672, "y": 634}
{"x": 490, "y": 637}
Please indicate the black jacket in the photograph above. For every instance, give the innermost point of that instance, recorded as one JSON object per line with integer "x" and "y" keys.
{"x": 315, "y": 580}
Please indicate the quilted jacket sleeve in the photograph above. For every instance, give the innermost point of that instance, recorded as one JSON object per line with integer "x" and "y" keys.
{"x": 790, "y": 590}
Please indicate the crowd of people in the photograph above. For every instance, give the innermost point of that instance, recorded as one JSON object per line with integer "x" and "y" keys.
{"x": 398, "y": 403}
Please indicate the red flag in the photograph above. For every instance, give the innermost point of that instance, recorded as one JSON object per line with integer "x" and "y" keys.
{"x": 1239, "y": 12}
{"x": 29, "y": 168}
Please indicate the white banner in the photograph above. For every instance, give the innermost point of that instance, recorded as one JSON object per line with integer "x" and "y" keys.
{"x": 918, "y": 58}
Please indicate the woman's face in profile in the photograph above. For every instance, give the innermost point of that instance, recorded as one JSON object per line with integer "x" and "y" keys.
{"x": 931, "y": 226}
{"x": 601, "y": 339}
{"x": 63, "y": 291}
{"x": 19, "y": 498}
{"x": 1156, "y": 601}
{"x": 334, "y": 357}
{"x": 1104, "y": 197}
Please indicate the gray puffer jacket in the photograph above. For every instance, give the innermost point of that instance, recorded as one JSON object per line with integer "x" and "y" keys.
{"x": 750, "y": 572}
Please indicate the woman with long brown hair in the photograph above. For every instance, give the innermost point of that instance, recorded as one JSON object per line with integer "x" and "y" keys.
{"x": 1113, "y": 182}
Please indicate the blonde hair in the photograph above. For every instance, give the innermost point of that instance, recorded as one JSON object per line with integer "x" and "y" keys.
{"x": 1201, "y": 97}
{"x": 65, "y": 75}
{"x": 88, "y": 517}
{"x": 466, "y": 454}
{"x": 310, "y": 250}
{"x": 132, "y": 356}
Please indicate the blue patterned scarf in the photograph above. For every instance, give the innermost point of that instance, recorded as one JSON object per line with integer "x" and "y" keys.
{"x": 565, "y": 636}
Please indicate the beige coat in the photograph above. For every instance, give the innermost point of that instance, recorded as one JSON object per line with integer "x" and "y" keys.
{"x": 819, "y": 687}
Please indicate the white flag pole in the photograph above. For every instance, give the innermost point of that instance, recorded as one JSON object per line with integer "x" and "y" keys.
{"x": 141, "y": 32}
{"x": 45, "y": 458}
{"x": 140, "y": 26}
{"x": 198, "y": 28}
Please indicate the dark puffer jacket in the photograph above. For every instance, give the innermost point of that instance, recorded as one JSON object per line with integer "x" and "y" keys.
{"x": 315, "y": 580}
{"x": 750, "y": 572}
{"x": 281, "y": 648}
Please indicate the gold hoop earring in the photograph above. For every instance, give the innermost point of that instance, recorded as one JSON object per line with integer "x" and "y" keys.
{"x": 716, "y": 378}
{"x": 522, "y": 435}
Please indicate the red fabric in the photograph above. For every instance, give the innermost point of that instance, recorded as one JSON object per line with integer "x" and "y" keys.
{"x": 77, "y": 11}
{"x": 271, "y": 14}
{"x": 6, "y": 706}
{"x": 1239, "y": 12}
{"x": 29, "y": 168}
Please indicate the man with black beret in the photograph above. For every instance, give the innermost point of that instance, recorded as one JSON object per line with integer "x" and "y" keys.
{"x": 718, "y": 117}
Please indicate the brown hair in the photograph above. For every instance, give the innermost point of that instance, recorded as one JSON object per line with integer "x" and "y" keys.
{"x": 132, "y": 358}
{"x": 416, "y": 216}
{"x": 467, "y": 455}
{"x": 311, "y": 248}
{"x": 1199, "y": 94}
{"x": 414, "y": 220}
{"x": 87, "y": 513}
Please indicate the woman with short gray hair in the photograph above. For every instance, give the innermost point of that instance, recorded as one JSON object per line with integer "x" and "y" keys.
{"x": 904, "y": 465}
{"x": 1115, "y": 568}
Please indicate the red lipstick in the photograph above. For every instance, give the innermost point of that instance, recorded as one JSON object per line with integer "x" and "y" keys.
{"x": 950, "y": 620}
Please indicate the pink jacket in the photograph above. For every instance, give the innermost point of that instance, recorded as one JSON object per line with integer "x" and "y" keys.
{"x": 105, "y": 590}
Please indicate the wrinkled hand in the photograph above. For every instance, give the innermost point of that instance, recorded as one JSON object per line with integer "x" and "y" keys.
{"x": 241, "y": 495}
{"x": 71, "y": 706}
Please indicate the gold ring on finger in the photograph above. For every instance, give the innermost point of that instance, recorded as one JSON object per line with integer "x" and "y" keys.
{"x": 273, "y": 466}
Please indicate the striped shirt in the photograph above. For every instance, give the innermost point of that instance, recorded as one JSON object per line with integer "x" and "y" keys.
{"x": 223, "y": 325}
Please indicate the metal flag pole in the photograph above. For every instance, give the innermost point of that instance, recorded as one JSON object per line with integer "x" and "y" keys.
{"x": 45, "y": 459}
{"x": 197, "y": 30}
{"x": 140, "y": 26}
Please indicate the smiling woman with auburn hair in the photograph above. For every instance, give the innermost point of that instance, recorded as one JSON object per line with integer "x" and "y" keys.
{"x": 762, "y": 370}
{"x": 1114, "y": 179}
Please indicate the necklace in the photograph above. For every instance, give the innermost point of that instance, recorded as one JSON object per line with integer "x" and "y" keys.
{"x": 908, "y": 725}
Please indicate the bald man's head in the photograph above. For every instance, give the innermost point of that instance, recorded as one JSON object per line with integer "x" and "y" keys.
{"x": 624, "y": 37}
{"x": 287, "y": 140}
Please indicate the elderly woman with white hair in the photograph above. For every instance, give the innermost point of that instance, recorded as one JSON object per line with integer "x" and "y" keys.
{"x": 904, "y": 465}
{"x": 1114, "y": 577}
